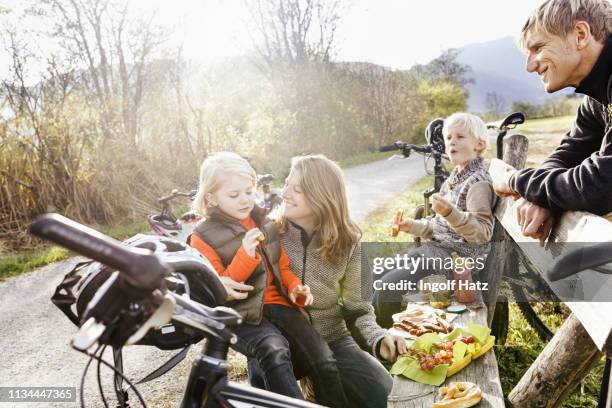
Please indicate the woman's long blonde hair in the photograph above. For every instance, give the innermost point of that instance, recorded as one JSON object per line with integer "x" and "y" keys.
{"x": 322, "y": 184}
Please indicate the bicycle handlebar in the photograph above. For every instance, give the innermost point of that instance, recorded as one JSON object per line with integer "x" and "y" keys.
{"x": 176, "y": 194}
{"x": 580, "y": 259}
{"x": 140, "y": 268}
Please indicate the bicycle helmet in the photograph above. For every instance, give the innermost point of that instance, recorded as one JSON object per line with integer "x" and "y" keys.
{"x": 434, "y": 136}
{"x": 193, "y": 276}
{"x": 164, "y": 225}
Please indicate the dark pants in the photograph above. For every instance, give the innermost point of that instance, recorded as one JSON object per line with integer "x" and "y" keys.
{"x": 388, "y": 302}
{"x": 316, "y": 355}
{"x": 265, "y": 344}
{"x": 365, "y": 381}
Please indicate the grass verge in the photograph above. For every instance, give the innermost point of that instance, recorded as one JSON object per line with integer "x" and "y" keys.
{"x": 18, "y": 263}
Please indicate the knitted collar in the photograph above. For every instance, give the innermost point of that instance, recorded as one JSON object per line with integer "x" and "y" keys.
{"x": 459, "y": 176}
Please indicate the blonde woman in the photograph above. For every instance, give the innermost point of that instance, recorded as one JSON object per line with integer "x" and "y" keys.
{"x": 322, "y": 243}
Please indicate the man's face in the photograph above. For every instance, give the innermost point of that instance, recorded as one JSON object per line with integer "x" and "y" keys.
{"x": 554, "y": 59}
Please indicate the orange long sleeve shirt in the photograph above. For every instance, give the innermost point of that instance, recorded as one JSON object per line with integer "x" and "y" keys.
{"x": 242, "y": 266}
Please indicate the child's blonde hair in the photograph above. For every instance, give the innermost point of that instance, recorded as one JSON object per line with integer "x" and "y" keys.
{"x": 322, "y": 184}
{"x": 214, "y": 170}
{"x": 472, "y": 124}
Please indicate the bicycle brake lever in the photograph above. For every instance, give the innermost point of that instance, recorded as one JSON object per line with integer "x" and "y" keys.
{"x": 88, "y": 334}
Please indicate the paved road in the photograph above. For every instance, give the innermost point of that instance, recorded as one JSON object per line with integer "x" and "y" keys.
{"x": 36, "y": 336}
{"x": 372, "y": 184}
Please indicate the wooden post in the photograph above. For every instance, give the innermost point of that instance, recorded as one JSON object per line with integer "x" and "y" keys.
{"x": 515, "y": 154}
{"x": 558, "y": 369}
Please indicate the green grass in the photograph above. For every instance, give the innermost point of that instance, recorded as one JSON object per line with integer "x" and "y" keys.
{"x": 24, "y": 261}
{"x": 522, "y": 348}
{"x": 543, "y": 135}
{"x": 364, "y": 158}
{"x": 376, "y": 226}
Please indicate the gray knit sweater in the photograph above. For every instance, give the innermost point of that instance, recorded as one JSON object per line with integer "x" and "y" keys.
{"x": 341, "y": 291}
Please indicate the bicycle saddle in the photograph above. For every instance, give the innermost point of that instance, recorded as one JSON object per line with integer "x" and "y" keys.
{"x": 515, "y": 118}
{"x": 580, "y": 259}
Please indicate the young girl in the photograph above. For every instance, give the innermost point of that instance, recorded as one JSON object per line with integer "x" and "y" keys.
{"x": 245, "y": 246}
{"x": 464, "y": 219}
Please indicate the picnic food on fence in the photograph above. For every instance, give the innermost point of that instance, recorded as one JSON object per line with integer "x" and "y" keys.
{"x": 418, "y": 320}
{"x": 395, "y": 228}
{"x": 459, "y": 395}
{"x": 433, "y": 357}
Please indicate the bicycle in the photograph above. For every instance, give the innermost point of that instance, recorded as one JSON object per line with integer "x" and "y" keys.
{"x": 272, "y": 197}
{"x": 167, "y": 225}
{"x": 434, "y": 149}
{"x": 136, "y": 298}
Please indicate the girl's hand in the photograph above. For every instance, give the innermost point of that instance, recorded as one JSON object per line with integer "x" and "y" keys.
{"x": 235, "y": 290}
{"x": 440, "y": 205}
{"x": 250, "y": 241}
{"x": 301, "y": 292}
{"x": 392, "y": 347}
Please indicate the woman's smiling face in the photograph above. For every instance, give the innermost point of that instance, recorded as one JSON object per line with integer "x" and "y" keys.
{"x": 296, "y": 206}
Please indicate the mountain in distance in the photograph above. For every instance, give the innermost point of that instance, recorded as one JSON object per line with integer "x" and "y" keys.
{"x": 499, "y": 66}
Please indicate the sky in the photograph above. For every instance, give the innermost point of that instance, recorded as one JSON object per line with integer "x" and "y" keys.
{"x": 393, "y": 33}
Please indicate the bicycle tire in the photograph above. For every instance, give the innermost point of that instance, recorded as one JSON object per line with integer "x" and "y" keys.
{"x": 530, "y": 315}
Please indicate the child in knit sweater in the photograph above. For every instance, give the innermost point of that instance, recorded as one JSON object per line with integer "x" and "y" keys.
{"x": 463, "y": 220}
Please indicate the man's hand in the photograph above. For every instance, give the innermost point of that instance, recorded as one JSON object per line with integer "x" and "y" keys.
{"x": 301, "y": 292}
{"x": 235, "y": 290}
{"x": 502, "y": 187}
{"x": 440, "y": 205}
{"x": 535, "y": 221}
{"x": 392, "y": 347}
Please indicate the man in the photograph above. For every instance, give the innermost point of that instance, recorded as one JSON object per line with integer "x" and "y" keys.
{"x": 568, "y": 43}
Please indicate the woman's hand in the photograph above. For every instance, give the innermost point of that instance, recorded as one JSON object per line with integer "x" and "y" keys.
{"x": 235, "y": 290}
{"x": 392, "y": 347}
{"x": 440, "y": 205}
{"x": 303, "y": 292}
{"x": 250, "y": 241}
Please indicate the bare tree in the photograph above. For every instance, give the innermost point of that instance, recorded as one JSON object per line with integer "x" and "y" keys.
{"x": 293, "y": 32}
{"x": 115, "y": 51}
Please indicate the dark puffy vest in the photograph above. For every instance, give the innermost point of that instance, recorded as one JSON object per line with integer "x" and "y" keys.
{"x": 224, "y": 234}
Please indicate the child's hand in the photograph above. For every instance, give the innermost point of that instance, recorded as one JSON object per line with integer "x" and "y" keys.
{"x": 404, "y": 224}
{"x": 250, "y": 241}
{"x": 440, "y": 205}
{"x": 303, "y": 292}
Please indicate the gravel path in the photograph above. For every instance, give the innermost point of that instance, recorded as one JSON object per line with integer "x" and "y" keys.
{"x": 36, "y": 336}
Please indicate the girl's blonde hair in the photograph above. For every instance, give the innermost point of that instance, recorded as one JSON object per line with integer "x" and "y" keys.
{"x": 214, "y": 170}
{"x": 322, "y": 184}
{"x": 472, "y": 124}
